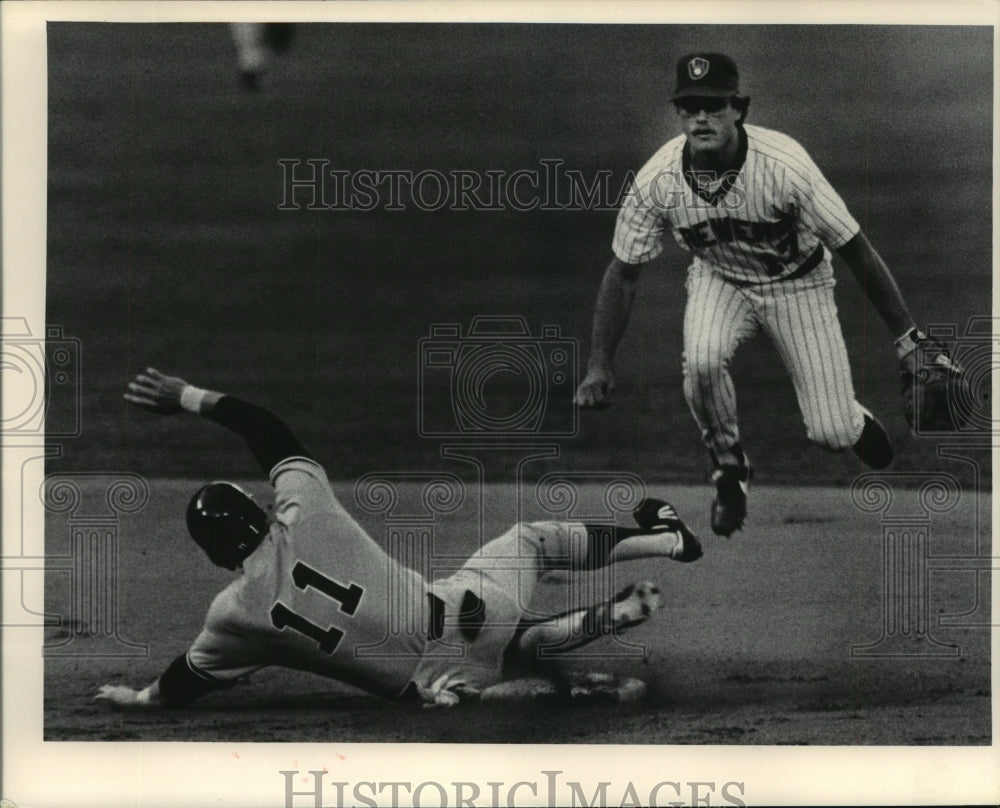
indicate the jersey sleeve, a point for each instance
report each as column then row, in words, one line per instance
column 642, row 221
column 820, row 206
column 269, row 438
column 221, row 657
column 223, row 652
column 183, row 682
column 301, row 487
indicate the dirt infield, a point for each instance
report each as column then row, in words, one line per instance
column 754, row 645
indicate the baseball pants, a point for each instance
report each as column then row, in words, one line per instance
column 503, row 575
column 800, row 317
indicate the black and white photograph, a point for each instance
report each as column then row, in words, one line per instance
column 498, row 405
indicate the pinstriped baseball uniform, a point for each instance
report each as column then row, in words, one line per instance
column 760, row 236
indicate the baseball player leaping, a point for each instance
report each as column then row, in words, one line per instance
column 318, row 594
column 760, row 219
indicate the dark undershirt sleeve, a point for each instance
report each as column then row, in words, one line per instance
column 180, row 683
column 270, row 439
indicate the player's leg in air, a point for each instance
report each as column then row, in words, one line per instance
column 532, row 657
column 487, row 604
column 719, row 317
column 803, row 324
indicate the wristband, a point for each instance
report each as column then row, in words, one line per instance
column 907, row 343
column 191, row 398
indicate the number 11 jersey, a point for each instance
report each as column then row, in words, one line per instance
column 317, row 595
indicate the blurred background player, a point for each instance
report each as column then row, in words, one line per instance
column 760, row 219
column 256, row 43
column 316, row 590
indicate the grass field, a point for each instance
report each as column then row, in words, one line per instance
column 167, row 247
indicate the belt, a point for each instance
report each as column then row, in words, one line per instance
column 803, row 269
column 471, row 616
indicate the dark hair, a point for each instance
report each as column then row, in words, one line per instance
column 742, row 103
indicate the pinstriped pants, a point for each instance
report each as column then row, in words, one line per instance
column 800, row 317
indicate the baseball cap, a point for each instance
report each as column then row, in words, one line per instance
column 702, row 75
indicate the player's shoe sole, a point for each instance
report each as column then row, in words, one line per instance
column 659, row 516
column 568, row 631
column 873, row 447
column 634, row 605
column 729, row 508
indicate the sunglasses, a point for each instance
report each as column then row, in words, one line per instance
column 692, row 106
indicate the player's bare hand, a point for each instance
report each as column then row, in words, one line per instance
column 596, row 390
column 120, row 695
column 156, row 392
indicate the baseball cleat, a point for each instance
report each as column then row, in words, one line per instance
column 873, row 447
column 635, row 604
column 571, row 630
column 658, row 516
column 729, row 508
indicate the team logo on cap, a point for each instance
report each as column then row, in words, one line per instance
column 698, row 68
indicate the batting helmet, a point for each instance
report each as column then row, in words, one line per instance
column 226, row 523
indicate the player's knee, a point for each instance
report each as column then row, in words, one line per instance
column 705, row 365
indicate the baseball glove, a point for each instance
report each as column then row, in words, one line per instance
column 933, row 388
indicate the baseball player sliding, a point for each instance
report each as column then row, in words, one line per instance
column 318, row 594
column 760, row 220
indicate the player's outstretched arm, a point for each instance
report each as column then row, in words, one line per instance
column 611, row 314
column 878, row 283
column 269, row 438
column 178, row 685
